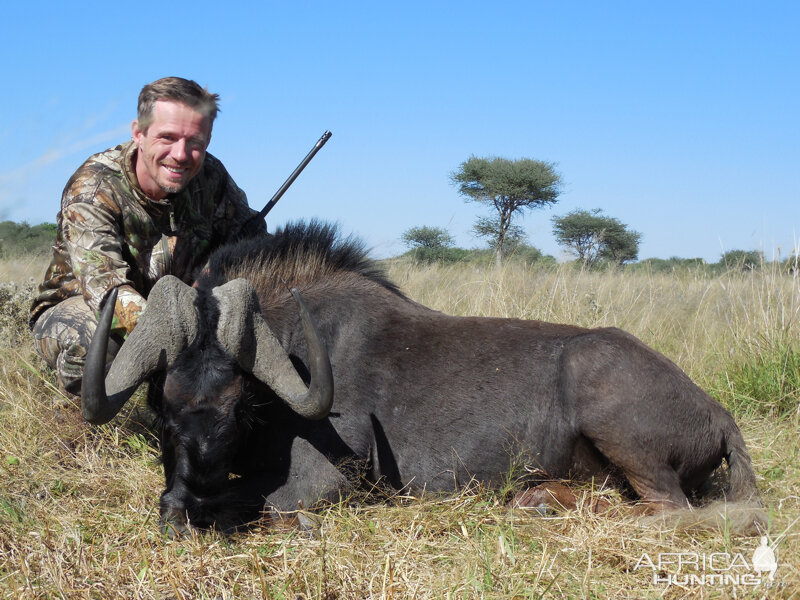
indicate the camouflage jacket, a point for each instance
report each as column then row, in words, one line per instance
column 110, row 234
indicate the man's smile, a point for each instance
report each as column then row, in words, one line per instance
column 174, row 169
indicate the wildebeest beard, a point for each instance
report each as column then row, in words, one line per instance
column 202, row 427
column 225, row 441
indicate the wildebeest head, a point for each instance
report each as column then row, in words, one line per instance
column 206, row 345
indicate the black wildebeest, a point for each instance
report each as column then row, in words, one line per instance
column 412, row 397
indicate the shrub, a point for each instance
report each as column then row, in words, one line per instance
column 20, row 239
column 423, row 254
column 743, row 260
column 766, row 383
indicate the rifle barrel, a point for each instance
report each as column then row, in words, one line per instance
column 290, row 180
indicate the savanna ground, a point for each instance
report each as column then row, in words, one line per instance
column 78, row 505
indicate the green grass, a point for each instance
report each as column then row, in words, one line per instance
column 765, row 383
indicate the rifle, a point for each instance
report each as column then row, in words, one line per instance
column 289, row 181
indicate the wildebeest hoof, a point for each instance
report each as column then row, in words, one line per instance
column 552, row 497
column 546, row 497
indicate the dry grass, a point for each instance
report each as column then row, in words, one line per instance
column 21, row 270
column 78, row 505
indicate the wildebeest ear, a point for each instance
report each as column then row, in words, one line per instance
column 243, row 332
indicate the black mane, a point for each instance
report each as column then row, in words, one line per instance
column 297, row 253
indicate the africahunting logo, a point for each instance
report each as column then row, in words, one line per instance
column 713, row 569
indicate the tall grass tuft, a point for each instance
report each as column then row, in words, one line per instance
column 766, row 383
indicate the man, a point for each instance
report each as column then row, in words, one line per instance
column 156, row 205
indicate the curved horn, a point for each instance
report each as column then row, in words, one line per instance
column 165, row 328
column 245, row 334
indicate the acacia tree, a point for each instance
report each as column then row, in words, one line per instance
column 621, row 245
column 593, row 237
column 427, row 237
column 430, row 244
column 509, row 187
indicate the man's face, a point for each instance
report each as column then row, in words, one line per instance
column 172, row 149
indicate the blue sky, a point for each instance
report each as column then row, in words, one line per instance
column 679, row 118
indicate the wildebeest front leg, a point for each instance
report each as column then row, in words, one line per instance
column 310, row 478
